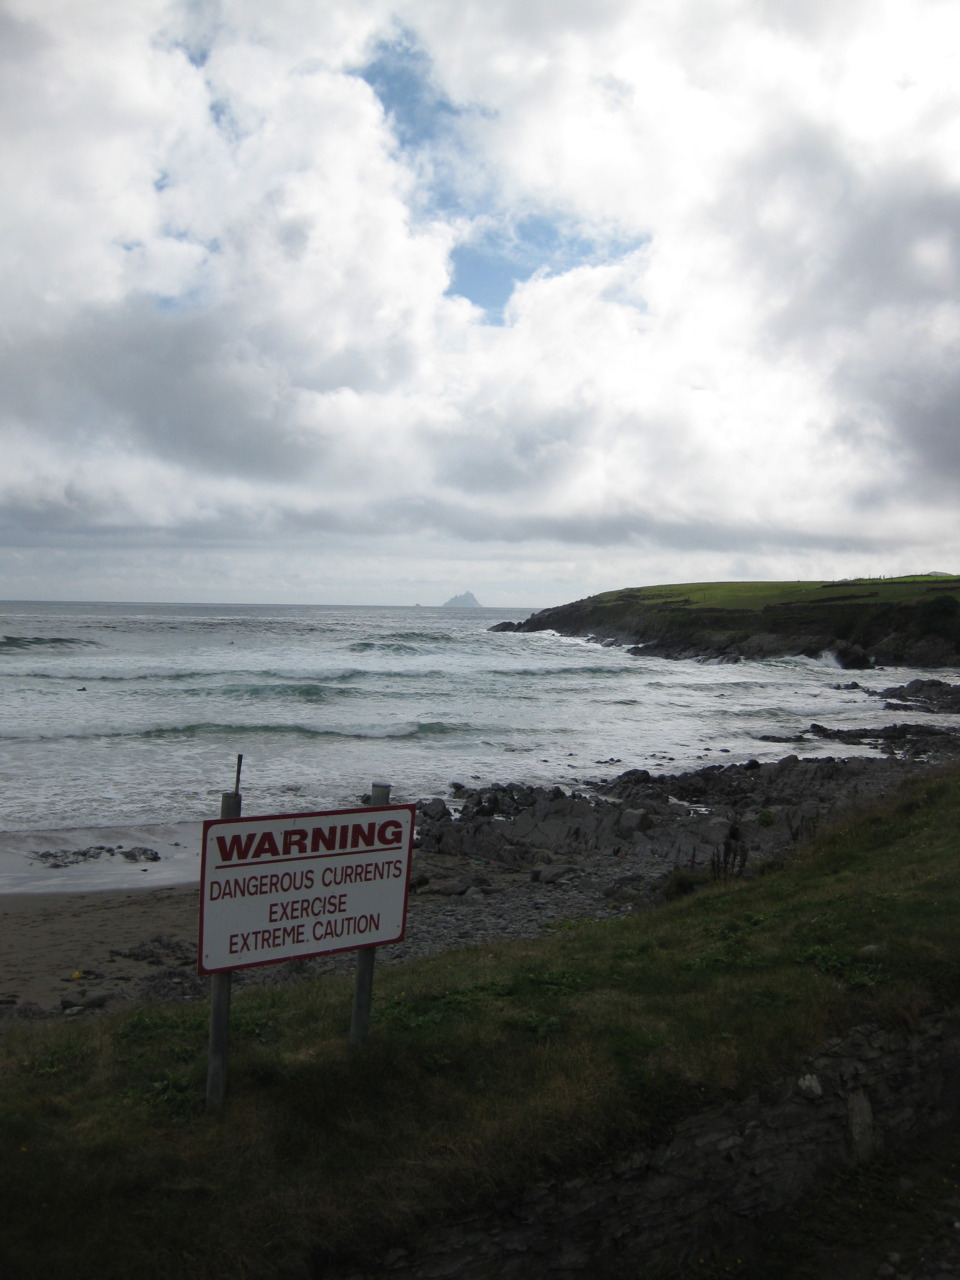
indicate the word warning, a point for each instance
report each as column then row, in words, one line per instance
column 305, row 884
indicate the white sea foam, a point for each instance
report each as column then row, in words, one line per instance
column 128, row 714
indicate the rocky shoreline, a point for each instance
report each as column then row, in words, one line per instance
column 515, row 861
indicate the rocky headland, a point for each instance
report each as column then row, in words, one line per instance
column 865, row 623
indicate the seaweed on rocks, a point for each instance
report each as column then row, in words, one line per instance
column 57, row 859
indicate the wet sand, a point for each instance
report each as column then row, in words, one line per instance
column 88, row 859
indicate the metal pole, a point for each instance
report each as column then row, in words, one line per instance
column 230, row 805
column 363, row 987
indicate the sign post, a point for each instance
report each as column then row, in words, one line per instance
column 363, row 988
column 230, row 805
column 293, row 886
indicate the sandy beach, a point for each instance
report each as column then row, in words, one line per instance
column 47, row 938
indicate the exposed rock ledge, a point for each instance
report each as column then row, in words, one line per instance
column 623, row 841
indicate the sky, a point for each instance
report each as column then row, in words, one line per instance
column 379, row 301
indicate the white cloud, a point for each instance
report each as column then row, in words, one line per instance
column 229, row 336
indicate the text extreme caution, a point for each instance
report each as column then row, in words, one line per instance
column 300, row 885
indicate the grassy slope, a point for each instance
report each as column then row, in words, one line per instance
column 808, row 616
column 486, row 1068
column 761, row 595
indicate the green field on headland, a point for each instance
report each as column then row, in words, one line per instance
column 912, row 620
column 486, row 1069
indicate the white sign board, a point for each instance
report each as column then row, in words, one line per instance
column 304, row 884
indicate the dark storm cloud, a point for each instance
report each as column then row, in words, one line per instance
column 919, row 400
column 860, row 267
column 173, row 383
column 617, row 530
column 856, row 240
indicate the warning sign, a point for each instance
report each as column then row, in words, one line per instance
column 285, row 888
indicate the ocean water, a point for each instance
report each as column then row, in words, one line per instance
column 113, row 714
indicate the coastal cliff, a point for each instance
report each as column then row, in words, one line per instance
column 864, row 622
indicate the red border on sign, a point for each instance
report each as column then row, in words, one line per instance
column 293, row 817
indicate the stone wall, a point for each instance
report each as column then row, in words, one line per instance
column 721, row 1171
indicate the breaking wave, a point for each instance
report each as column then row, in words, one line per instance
column 236, row 732
column 9, row 644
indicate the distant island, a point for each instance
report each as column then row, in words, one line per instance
column 908, row 621
column 467, row 601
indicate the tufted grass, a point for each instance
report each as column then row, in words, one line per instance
column 486, row 1069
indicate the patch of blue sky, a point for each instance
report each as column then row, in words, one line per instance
column 221, row 114
column 428, row 128
column 200, row 22
column 487, row 270
column 400, row 74
column 192, row 28
column 196, row 55
column 485, row 277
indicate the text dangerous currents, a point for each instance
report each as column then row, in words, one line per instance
column 293, row 887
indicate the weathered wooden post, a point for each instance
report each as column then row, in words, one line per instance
column 230, row 805
column 363, row 988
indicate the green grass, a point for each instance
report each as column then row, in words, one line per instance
column 910, row 589
column 486, row 1068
